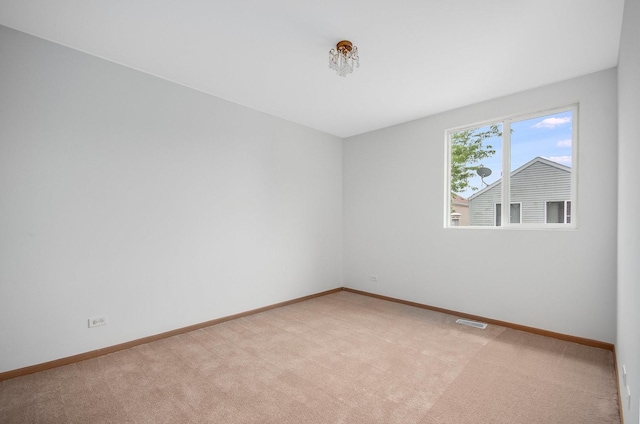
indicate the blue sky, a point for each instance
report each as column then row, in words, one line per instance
column 547, row 136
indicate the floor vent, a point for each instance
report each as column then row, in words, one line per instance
column 475, row 324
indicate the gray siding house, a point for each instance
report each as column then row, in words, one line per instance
column 540, row 193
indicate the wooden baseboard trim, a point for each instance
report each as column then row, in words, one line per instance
column 615, row 367
column 546, row 333
column 122, row 346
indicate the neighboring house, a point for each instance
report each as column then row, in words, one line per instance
column 459, row 211
column 540, row 193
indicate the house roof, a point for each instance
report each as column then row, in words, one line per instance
column 418, row 58
column 537, row 159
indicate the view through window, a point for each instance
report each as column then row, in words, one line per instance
column 526, row 162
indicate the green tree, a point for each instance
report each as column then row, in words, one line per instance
column 467, row 153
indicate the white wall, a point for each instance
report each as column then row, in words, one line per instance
column 628, row 337
column 563, row 281
column 128, row 196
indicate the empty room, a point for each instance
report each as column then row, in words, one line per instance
column 292, row 212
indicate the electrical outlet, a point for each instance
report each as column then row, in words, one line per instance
column 95, row 322
column 373, row 278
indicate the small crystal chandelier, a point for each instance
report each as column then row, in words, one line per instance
column 343, row 58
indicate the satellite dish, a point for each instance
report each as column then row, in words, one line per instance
column 483, row 172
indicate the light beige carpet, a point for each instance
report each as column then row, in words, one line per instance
column 340, row 358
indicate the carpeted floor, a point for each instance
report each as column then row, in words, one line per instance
column 340, row 358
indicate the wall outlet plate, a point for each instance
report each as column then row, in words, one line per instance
column 95, row 322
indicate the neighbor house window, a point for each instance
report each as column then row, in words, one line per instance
column 521, row 161
column 514, row 214
column 559, row 212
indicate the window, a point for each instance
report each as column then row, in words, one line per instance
column 527, row 162
column 559, row 212
column 514, row 214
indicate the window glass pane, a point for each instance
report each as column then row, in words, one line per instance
column 555, row 212
column 541, row 154
column 475, row 168
column 514, row 216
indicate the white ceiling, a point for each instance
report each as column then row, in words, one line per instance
column 418, row 57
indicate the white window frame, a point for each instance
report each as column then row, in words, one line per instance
column 506, row 176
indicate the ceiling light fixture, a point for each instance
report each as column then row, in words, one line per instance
column 343, row 58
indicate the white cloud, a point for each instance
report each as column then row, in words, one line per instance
column 552, row 122
column 564, row 143
column 563, row 160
